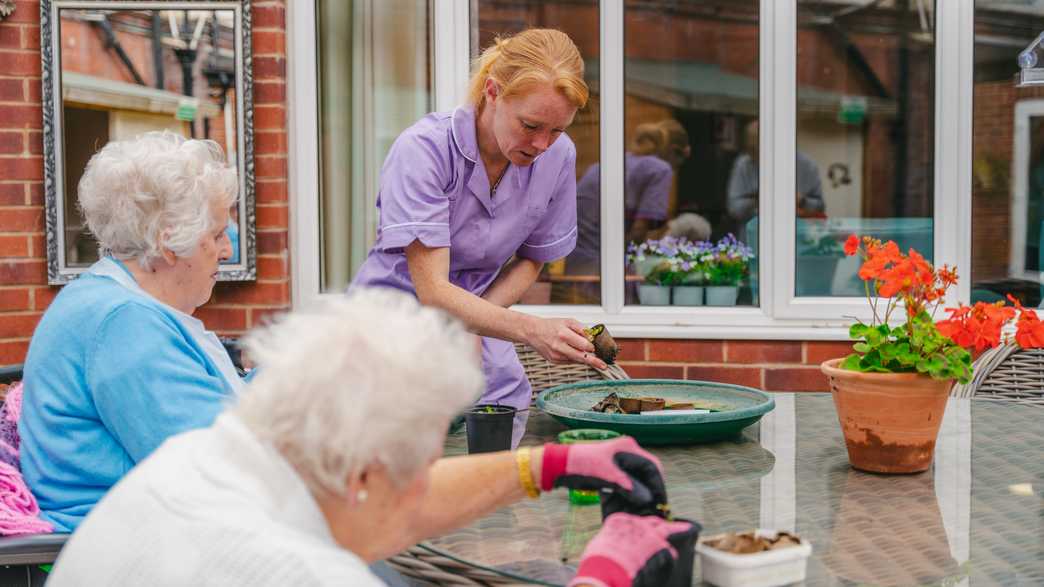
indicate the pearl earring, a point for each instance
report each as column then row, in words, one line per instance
column 361, row 495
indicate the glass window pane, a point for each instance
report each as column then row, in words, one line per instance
column 865, row 135
column 374, row 82
column 1007, row 154
column 691, row 91
column 576, row 279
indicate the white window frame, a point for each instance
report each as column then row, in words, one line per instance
column 782, row 315
column 302, row 94
column 1024, row 111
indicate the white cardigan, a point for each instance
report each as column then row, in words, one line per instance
column 209, row 507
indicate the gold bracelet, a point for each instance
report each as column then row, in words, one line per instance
column 525, row 475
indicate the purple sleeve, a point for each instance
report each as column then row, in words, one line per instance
column 555, row 235
column 655, row 198
column 412, row 199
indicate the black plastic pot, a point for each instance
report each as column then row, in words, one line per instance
column 685, row 544
column 489, row 428
column 613, row 502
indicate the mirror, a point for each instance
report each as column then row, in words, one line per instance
column 113, row 70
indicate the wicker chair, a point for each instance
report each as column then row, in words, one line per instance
column 1007, row 373
column 421, row 563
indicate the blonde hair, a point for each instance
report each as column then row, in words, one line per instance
column 529, row 58
column 666, row 139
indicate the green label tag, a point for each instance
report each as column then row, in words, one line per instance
column 187, row 108
column 853, row 110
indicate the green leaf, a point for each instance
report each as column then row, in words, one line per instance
column 872, row 359
column 858, row 330
column 851, row 363
column 931, row 365
column 887, row 352
column 873, row 337
column 908, row 358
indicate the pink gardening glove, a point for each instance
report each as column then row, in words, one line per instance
column 630, row 551
column 619, row 465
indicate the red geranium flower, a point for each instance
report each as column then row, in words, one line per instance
column 852, row 245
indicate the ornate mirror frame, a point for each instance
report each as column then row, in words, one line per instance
column 59, row 271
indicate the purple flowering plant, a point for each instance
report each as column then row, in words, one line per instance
column 668, row 261
column 726, row 262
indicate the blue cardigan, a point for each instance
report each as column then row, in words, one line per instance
column 109, row 376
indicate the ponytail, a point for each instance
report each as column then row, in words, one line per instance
column 534, row 56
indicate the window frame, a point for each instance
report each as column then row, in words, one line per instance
column 1025, row 110
column 781, row 315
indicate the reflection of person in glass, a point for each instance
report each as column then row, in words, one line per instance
column 656, row 152
column 473, row 203
column 743, row 184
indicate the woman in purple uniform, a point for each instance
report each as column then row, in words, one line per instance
column 473, row 202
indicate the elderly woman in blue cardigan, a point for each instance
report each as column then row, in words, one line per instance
column 118, row 363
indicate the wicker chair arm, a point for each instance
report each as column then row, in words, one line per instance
column 1007, row 373
column 544, row 374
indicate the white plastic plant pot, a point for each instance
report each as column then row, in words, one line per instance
column 688, row 295
column 722, row 295
column 654, row 295
column 646, row 265
column 761, row 569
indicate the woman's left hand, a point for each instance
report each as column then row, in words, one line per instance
column 620, row 465
column 631, row 551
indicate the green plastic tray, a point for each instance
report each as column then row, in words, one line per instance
column 737, row 407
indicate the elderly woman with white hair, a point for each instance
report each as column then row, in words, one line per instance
column 330, row 461
column 118, row 363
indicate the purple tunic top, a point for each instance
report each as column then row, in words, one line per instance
column 434, row 188
column 647, row 188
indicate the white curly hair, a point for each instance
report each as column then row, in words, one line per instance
column 368, row 378
column 152, row 192
column 689, row 225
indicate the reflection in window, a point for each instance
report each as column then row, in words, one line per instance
column 374, row 82
column 1007, row 157
column 560, row 282
column 128, row 72
column 691, row 103
column 865, row 132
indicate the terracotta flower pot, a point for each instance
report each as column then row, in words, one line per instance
column 890, row 420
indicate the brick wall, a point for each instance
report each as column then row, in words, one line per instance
column 237, row 307
column 24, row 293
column 763, row 364
column 23, row 273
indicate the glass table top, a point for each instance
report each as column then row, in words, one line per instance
column 975, row 518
